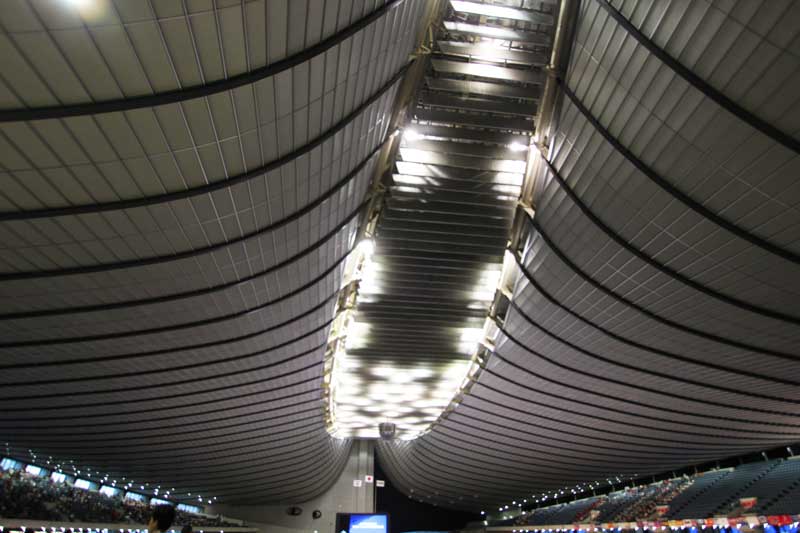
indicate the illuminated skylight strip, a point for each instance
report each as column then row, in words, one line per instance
column 494, row 11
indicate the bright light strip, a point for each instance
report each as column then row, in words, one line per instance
column 489, row 10
column 402, row 179
column 508, row 189
column 508, row 178
column 411, row 398
column 410, row 190
column 410, row 134
column 428, row 157
column 410, row 169
column 360, row 397
column 396, row 394
column 512, row 166
column 488, row 50
column 486, row 31
column 357, row 334
column 487, row 284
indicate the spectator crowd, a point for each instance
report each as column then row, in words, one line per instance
column 23, row 495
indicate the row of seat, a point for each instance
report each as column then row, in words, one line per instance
column 775, row 485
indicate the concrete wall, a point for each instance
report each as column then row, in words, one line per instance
column 342, row 497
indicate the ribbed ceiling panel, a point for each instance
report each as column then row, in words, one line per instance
column 60, row 54
column 180, row 184
column 655, row 322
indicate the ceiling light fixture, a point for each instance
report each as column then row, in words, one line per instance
column 411, row 135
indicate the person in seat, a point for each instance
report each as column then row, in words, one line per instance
column 161, row 519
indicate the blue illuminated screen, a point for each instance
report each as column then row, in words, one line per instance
column 368, row 523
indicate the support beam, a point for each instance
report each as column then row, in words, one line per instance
column 526, row 109
column 491, row 52
column 482, row 88
column 484, row 136
column 497, row 32
column 475, row 119
column 456, row 160
column 488, row 71
column 467, row 149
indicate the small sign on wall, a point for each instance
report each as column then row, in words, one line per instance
column 357, row 483
column 380, row 483
column 368, row 479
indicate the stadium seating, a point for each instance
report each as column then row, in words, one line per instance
column 24, row 495
column 725, row 490
column 775, row 484
column 785, row 503
column 568, row 513
column 544, row 515
column 647, row 498
column 779, row 491
column 614, row 504
column 701, row 484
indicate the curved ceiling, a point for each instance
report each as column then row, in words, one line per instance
column 180, row 185
column 655, row 321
